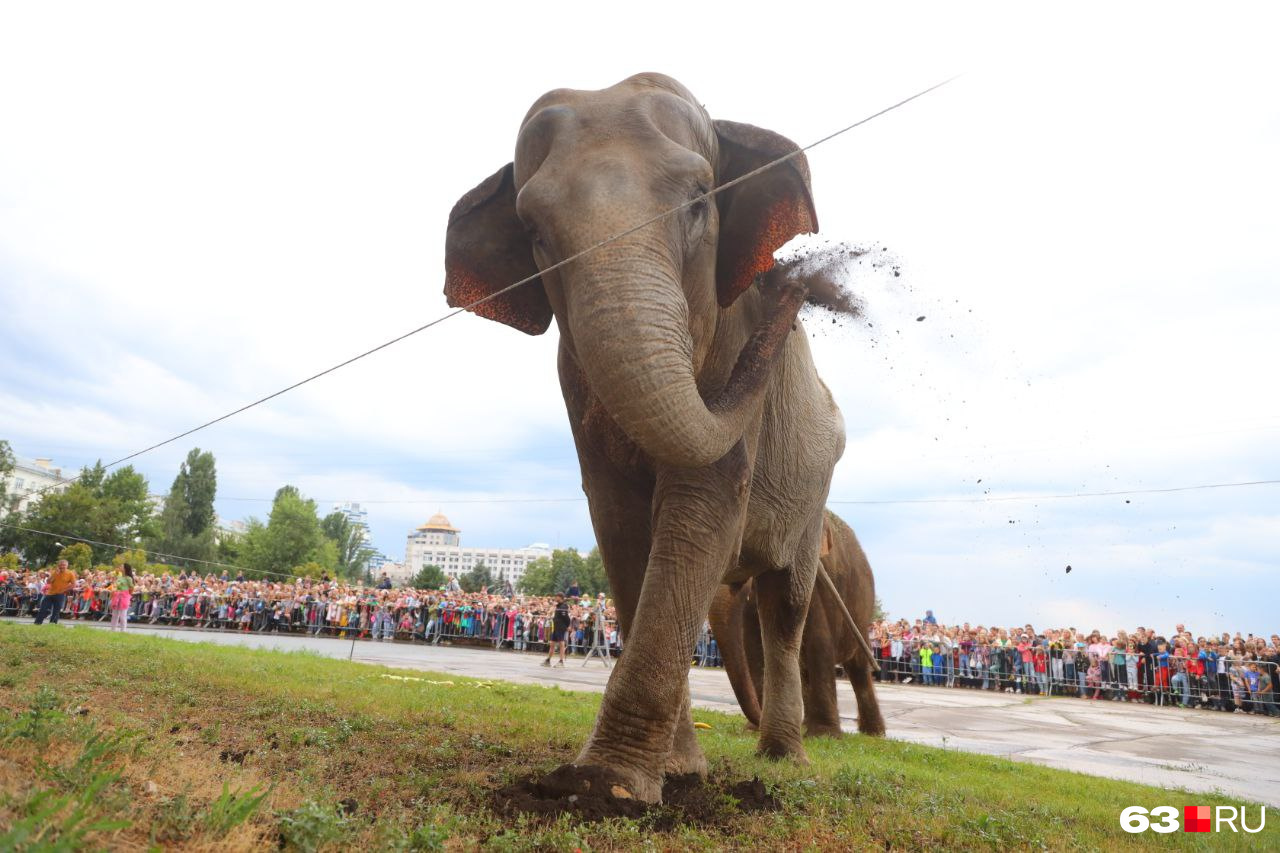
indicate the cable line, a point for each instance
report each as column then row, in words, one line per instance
column 627, row 232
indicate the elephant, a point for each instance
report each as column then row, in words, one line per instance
column 705, row 437
column 828, row 639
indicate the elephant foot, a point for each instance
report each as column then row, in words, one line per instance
column 599, row 782
column 823, row 730
column 778, row 747
column 686, row 756
column 872, row 728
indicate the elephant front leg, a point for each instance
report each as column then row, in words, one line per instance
column 643, row 729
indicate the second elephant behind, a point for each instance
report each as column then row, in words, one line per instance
column 827, row 640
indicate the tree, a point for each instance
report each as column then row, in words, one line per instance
column 878, row 613
column 353, row 552
column 428, row 577
column 478, row 578
column 309, row 570
column 113, row 509
column 568, row 566
column 593, row 578
column 291, row 537
column 539, row 578
column 79, row 556
column 187, row 526
column 6, row 468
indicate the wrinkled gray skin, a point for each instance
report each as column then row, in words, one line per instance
column 705, row 437
column 827, row 641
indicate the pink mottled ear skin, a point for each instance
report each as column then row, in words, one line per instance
column 763, row 213
column 486, row 250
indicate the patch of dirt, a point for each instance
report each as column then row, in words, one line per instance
column 686, row 801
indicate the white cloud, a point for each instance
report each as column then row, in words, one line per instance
column 198, row 208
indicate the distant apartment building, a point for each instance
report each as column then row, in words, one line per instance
column 439, row 543
column 28, row 481
column 359, row 518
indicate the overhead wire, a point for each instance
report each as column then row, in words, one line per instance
column 472, row 305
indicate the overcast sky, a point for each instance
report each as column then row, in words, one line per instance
column 198, row 207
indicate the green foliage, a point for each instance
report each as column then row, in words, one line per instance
column 546, row 576
column 291, row 537
column 187, row 524
column 539, row 578
column 593, row 578
column 99, row 506
column 98, row 749
column 78, row 555
column 37, row 722
column 478, row 578
column 352, row 553
column 50, row 823
column 136, row 558
column 233, row 808
column 428, row 577
column 9, row 562
column 309, row 570
column 7, row 461
column 878, row 613
column 311, row 826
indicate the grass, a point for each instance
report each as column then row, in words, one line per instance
column 126, row 742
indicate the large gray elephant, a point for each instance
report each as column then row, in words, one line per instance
column 705, row 437
column 828, row 638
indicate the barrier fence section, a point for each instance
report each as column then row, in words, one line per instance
column 1225, row 682
column 426, row 622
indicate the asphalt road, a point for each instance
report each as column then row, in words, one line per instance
column 1168, row 747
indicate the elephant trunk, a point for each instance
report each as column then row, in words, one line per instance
column 629, row 320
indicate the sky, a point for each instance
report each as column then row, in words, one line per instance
column 202, row 205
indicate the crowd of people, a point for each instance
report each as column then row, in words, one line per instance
column 1224, row 673
column 322, row 607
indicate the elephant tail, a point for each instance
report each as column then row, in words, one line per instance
column 726, row 617
column 863, row 645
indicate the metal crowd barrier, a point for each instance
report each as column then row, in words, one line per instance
column 1234, row 682
column 423, row 623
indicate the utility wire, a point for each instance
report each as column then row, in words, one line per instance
column 58, row 536
column 646, row 223
column 999, row 499
column 567, row 500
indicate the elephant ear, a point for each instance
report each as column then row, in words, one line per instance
column 486, row 249
column 763, row 212
column 827, row 541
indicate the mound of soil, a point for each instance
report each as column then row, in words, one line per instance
column 686, row 800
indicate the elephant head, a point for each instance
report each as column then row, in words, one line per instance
column 639, row 314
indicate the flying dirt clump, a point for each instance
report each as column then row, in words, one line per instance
column 826, row 271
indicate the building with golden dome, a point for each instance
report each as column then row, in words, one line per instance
column 437, row 542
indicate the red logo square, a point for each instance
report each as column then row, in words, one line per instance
column 1195, row 819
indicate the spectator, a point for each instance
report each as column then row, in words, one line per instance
column 120, row 598
column 55, row 593
column 560, row 627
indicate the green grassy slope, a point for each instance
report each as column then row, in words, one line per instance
column 125, row 742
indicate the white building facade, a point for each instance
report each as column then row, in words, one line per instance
column 439, row 543
column 28, row 476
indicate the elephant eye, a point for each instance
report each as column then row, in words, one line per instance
column 698, row 200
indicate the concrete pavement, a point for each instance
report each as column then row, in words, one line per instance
column 1237, row 754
